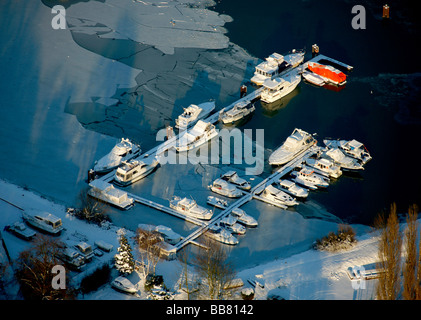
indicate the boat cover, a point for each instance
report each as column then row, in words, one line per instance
column 327, row 72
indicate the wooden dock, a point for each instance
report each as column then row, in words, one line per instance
column 321, row 57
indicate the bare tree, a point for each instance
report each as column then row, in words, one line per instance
column 149, row 249
column 91, row 208
column 411, row 271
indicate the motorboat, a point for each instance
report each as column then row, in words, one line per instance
column 298, row 141
column 313, row 78
column 217, row 202
column 123, row 284
column 106, row 192
column 43, row 220
column 196, row 136
column 85, row 250
column 292, row 189
column 278, row 196
column 308, row 178
column 220, row 234
column 243, row 217
column 239, row 111
column 134, row 170
column 193, row 113
column 230, row 223
column 72, row 258
column 346, row 163
column 168, row 234
column 122, row 151
column 232, row 177
column 352, row 148
column 20, row 230
column 324, row 167
column 226, row 189
column 275, row 89
column 328, row 73
column 276, row 65
column 189, row 207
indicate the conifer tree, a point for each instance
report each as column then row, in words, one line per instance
column 124, row 261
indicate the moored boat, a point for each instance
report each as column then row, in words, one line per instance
column 189, row 207
column 134, row 170
column 106, row 192
column 352, row 148
column 346, row 163
column 196, row 136
column 243, row 217
column 240, row 110
column 292, row 189
column 220, row 234
column 313, row 78
column 194, row 113
column 232, row 177
column 217, row 202
column 275, row 89
column 308, row 178
column 278, row 196
column 324, row 167
column 328, row 73
column 224, row 188
column 43, row 220
column 230, row 223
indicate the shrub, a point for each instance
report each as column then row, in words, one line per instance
column 96, row 279
column 343, row 239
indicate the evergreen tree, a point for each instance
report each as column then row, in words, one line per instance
column 124, row 261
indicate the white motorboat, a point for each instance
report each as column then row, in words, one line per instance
column 43, row 220
column 278, row 196
column 106, row 192
column 275, row 89
column 193, row 113
column 243, row 217
column 276, row 65
column 308, row 178
column 292, row 189
column 221, row 234
column 21, row 231
column 298, row 141
column 313, row 78
column 230, row 223
column 196, row 136
column 189, row 207
column 238, row 112
column 134, row 170
column 352, row 148
column 122, row 151
column 226, row 189
column 345, row 162
column 123, row 284
column 232, row 177
column 324, row 167
column 217, row 202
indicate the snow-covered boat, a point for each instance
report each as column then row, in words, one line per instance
column 123, row 284
column 345, row 162
column 217, row 202
column 189, row 207
column 324, row 167
column 243, row 217
column 298, row 141
column 230, row 223
column 220, row 234
column 196, row 136
column 85, row 250
column 352, row 148
column 308, row 178
column 275, row 89
column 238, row 112
column 21, row 231
column 292, row 189
column 124, row 150
column 106, row 192
column 43, row 220
column 165, row 232
column 328, row 73
column 278, row 196
column 313, row 78
column 134, row 170
column 193, row 113
column 232, row 177
column 276, row 65
column 226, row 189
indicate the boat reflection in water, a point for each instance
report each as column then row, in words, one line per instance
column 271, row 109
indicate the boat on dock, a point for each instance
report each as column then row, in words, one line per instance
column 194, row 113
column 106, row 192
column 196, row 136
column 352, row 148
column 134, row 170
column 294, row 144
column 189, row 207
column 292, row 189
column 20, row 230
column 122, row 151
column 328, row 73
column 230, row 223
column 324, row 167
column 220, row 234
column 244, row 218
column 275, row 89
column 346, row 163
column 240, row 110
column 313, row 78
column 165, row 232
column 278, row 196
column 217, row 202
column 43, row 220
column 308, row 178
column 232, row 177
column 224, row 188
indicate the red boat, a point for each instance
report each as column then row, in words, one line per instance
column 329, row 73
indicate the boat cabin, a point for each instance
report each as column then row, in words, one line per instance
column 129, row 169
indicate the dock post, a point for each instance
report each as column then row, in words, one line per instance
column 386, row 9
column 314, row 50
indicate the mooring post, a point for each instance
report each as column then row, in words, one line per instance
column 386, row 10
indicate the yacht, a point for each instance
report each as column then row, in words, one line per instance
column 313, row 78
column 193, row 113
column 189, row 207
column 352, row 148
column 240, row 110
column 324, row 167
column 196, row 136
column 134, row 170
column 275, row 89
column 124, row 150
column 308, row 178
column 292, row 189
column 217, row 202
column 278, row 196
column 226, row 189
column 328, row 73
column 43, row 220
column 232, row 177
column 298, row 141
column 230, row 223
column 106, row 192
column 243, row 217
column 220, row 234
column 345, row 162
